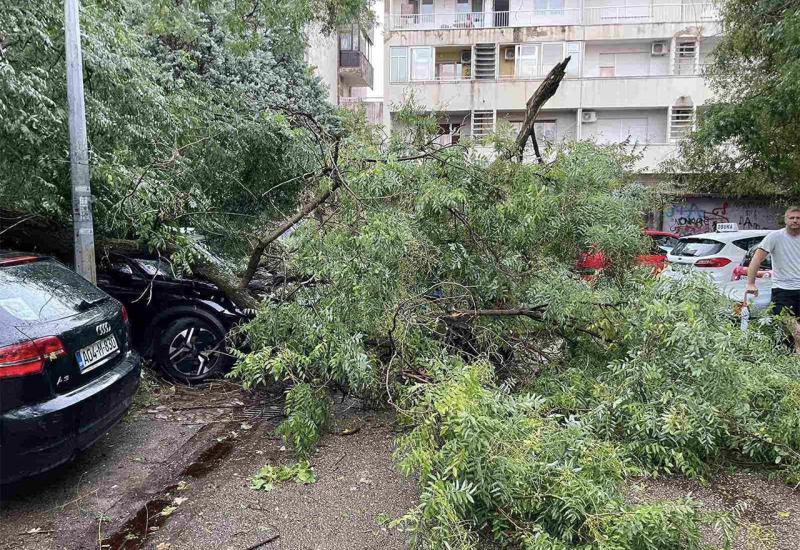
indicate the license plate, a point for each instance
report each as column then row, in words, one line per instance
column 91, row 356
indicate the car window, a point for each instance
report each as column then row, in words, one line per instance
column 693, row 246
column 665, row 241
column 745, row 244
column 42, row 291
column 765, row 265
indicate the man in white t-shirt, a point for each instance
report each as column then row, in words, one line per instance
column 784, row 246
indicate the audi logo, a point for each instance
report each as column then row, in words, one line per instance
column 103, row 329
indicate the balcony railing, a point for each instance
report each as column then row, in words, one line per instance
column 645, row 13
column 650, row 13
column 539, row 74
column 357, row 66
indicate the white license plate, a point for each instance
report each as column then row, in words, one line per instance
column 90, row 356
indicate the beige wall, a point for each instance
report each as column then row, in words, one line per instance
column 323, row 54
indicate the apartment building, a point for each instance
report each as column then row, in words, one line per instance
column 635, row 71
column 344, row 63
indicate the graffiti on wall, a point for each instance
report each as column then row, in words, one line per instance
column 702, row 216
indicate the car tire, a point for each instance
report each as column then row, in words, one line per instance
column 191, row 349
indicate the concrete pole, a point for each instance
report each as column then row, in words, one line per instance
column 83, row 229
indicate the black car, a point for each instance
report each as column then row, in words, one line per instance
column 67, row 373
column 181, row 323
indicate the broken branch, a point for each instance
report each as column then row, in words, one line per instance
column 544, row 92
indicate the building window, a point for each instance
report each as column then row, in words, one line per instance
column 545, row 131
column 399, row 64
column 535, row 60
column 527, row 64
column 685, row 57
column 422, row 63
column 549, row 7
column 574, row 52
column 483, row 123
column 624, row 64
column 552, row 53
column 607, row 64
column 617, row 130
column 681, row 122
column 449, row 133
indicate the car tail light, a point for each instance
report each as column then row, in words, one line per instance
column 124, row 315
column 17, row 260
column 713, row 262
column 29, row 357
column 738, row 272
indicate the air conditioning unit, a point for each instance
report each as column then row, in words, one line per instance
column 589, row 116
column 466, row 56
column 659, row 48
column 509, row 54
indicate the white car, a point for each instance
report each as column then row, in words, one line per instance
column 714, row 254
column 736, row 286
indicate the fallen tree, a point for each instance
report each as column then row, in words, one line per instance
column 528, row 394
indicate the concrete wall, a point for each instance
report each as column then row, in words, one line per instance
column 691, row 216
column 323, row 54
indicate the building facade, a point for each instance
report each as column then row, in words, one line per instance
column 344, row 63
column 635, row 72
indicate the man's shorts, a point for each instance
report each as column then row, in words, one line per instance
column 786, row 299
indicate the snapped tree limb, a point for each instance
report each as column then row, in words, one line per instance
column 543, row 93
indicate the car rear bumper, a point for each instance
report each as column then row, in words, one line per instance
column 36, row 438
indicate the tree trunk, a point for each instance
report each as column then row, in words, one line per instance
column 544, row 92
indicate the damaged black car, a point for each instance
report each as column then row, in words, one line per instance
column 181, row 323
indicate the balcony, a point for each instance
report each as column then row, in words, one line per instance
column 650, row 13
column 600, row 15
column 355, row 69
column 642, row 92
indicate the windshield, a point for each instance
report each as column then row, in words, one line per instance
column 692, row 246
column 42, row 291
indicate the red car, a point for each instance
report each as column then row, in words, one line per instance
column 662, row 241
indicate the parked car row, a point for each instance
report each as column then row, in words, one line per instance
column 68, row 361
column 723, row 255
column 661, row 242
column 68, row 365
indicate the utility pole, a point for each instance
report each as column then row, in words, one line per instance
column 83, row 227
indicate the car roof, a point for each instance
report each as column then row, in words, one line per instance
column 728, row 236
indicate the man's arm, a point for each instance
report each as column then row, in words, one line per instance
column 752, row 270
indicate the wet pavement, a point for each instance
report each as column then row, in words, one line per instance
column 81, row 503
column 175, row 474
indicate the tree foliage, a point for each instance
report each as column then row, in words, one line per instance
column 195, row 112
column 747, row 140
column 445, row 286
